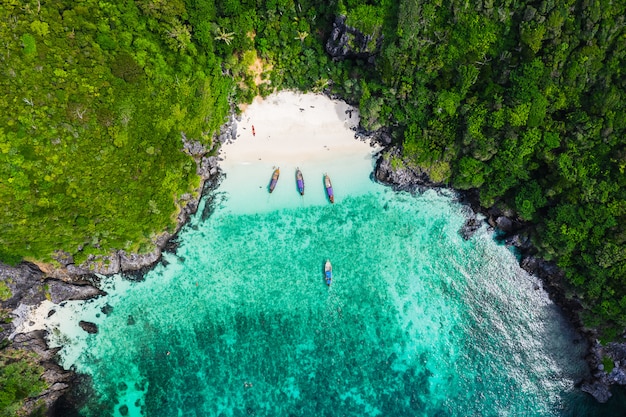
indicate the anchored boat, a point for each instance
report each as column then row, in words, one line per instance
column 329, row 188
column 274, row 179
column 300, row 181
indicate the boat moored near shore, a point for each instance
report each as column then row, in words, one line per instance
column 274, row 179
column 329, row 188
column 300, row 181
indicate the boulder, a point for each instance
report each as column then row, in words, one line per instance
column 470, row 227
column 88, row 326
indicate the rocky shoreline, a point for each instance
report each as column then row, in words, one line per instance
column 514, row 232
column 29, row 287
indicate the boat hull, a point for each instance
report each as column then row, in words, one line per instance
column 274, row 180
column 300, row 182
column 328, row 273
column 329, row 189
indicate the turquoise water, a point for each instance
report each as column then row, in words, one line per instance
column 418, row 322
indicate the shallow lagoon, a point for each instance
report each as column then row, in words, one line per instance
column 417, row 321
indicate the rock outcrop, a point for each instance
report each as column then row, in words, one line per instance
column 391, row 169
column 59, row 291
column 348, row 42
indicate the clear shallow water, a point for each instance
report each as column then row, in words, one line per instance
column 418, row 322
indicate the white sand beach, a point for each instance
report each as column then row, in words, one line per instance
column 30, row 318
column 292, row 130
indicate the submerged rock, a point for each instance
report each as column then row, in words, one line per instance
column 88, row 326
column 107, row 309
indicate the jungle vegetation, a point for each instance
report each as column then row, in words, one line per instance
column 20, row 378
column 520, row 100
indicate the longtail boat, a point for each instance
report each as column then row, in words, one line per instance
column 300, row 181
column 274, row 180
column 328, row 272
column 329, row 188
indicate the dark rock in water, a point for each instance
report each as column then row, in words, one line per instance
column 130, row 321
column 107, row 309
column 124, row 410
column 171, row 246
column 597, row 390
column 88, row 326
column 348, row 42
column 470, row 227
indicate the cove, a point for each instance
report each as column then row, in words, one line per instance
column 238, row 321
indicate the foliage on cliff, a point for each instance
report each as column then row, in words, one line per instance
column 20, row 378
column 95, row 97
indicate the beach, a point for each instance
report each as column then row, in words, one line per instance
column 293, row 130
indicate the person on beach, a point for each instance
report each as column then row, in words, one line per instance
column 253, row 132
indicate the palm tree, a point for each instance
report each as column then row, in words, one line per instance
column 222, row 35
column 302, row 36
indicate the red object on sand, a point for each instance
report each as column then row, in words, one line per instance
column 253, row 132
